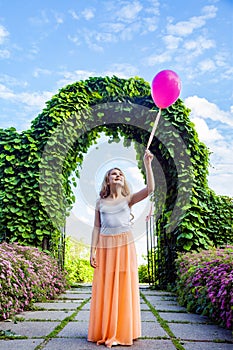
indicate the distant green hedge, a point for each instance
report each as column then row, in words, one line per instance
column 77, row 262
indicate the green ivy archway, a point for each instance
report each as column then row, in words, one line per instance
column 36, row 166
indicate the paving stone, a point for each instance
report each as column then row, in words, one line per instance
column 83, row 315
column 196, row 335
column 144, row 306
column 30, row 329
column 45, row 315
column 151, row 344
column 206, row 346
column 22, row 344
column 59, row 305
column 153, row 330
column 83, row 344
column 147, row 316
column 86, row 307
column 183, row 317
column 169, row 307
column 74, row 329
column 163, row 305
column 71, row 296
column 78, row 290
column 69, row 344
column 158, row 298
column 200, row 332
column 157, row 293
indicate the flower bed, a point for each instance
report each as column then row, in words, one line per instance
column 205, row 284
column 27, row 275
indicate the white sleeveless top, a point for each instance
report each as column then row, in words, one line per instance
column 114, row 217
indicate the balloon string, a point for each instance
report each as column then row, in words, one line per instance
column 154, row 128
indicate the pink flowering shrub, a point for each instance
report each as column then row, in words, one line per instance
column 205, row 283
column 27, row 275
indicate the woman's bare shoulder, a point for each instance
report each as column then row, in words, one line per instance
column 97, row 203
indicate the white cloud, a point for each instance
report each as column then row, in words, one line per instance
column 29, row 99
column 34, row 99
column 40, row 20
column 105, row 37
column 58, row 18
column 150, row 25
column 199, row 45
column 4, row 54
column 221, row 165
column 171, row 41
column 158, row 59
column 221, row 59
column 5, row 93
column 3, row 34
column 209, row 11
column 41, row 71
column 129, row 12
column 122, row 70
column 74, row 15
column 90, row 39
column 153, row 8
column 227, row 74
column 129, row 32
column 122, row 20
column 184, row 28
column 201, row 107
column 206, row 65
column 115, row 27
column 74, row 39
column 71, row 77
column 88, row 13
column 204, row 132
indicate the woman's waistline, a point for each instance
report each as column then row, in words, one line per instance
column 109, row 234
column 114, row 240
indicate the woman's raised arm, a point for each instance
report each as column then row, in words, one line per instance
column 150, row 184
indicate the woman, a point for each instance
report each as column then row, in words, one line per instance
column 115, row 303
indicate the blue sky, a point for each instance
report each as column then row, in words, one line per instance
column 47, row 44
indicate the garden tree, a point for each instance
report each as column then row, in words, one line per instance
column 36, row 167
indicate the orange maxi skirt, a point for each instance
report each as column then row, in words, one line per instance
column 115, row 303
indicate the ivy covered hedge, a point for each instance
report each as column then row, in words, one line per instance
column 36, row 167
column 27, row 275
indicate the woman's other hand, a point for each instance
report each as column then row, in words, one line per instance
column 93, row 260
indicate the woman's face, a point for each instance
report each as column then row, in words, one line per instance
column 116, row 177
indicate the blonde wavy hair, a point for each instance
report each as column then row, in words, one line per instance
column 105, row 188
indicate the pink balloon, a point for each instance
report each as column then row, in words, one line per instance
column 165, row 88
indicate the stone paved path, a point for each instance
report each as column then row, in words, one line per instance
column 62, row 325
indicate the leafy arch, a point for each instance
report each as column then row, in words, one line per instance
column 188, row 216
